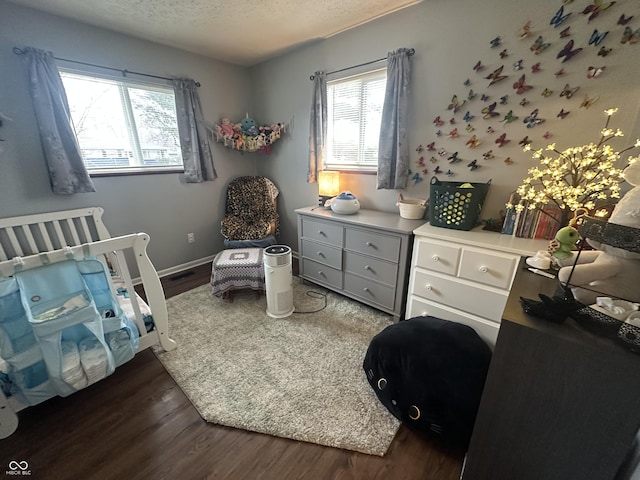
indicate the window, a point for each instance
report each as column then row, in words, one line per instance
column 123, row 126
column 354, row 108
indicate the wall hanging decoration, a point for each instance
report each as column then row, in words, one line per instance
column 247, row 135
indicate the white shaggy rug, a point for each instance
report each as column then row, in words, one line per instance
column 299, row 377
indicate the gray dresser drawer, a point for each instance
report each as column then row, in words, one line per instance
column 369, row 291
column 321, row 273
column 371, row 243
column 322, row 232
column 322, row 253
column 371, row 268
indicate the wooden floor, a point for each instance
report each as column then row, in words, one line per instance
column 137, row 424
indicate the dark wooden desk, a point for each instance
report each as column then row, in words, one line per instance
column 559, row 402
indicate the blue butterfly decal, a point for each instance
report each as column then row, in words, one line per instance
column 559, row 18
column 468, row 117
column 597, row 38
column 567, row 52
column 504, row 99
column 532, row 119
column 416, row 177
column 495, row 42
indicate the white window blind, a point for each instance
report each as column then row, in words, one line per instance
column 354, row 112
column 123, row 126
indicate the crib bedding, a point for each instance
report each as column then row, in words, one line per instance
column 58, row 345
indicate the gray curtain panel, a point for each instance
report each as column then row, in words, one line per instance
column 317, row 126
column 393, row 150
column 67, row 172
column 194, row 138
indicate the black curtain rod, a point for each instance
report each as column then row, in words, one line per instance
column 411, row 52
column 19, row 51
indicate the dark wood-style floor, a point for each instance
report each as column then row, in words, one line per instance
column 137, row 424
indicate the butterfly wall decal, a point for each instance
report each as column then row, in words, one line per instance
column 532, row 119
column 587, row 102
column 437, row 170
column 624, row 20
column 524, row 102
column 438, row 122
column 453, row 158
column 525, row 141
column 630, row 36
column 502, row 140
column 525, row 30
column 559, row 18
column 520, row 87
column 603, row 52
column 559, row 73
column 473, row 165
column 568, row 92
column 471, row 95
column 509, row 117
column 597, row 38
column 547, row 135
column 539, row 45
column 504, row 99
column 438, row 133
column 596, row 8
column 496, row 76
column 535, row 68
column 508, row 161
column 453, row 133
column 467, row 82
column 442, row 152
column 490, row 130
column 504, row 53
column 473, row 142
column 433, row 159
column 484, row 97
column 469, row 128
column 452, row 121
column 495, row 42
column 518, row 65
column 565, row 33
column 488, row 155
column 431, row 147
column 478, row 66
column 546, row 93
column 489, row 112
column 562, row 114
column 595, row 72
column 568, row 52
column 420, row 148
column 468, row 117
column 455, row 104
column 421, row 162
column 449, row 173
column 416, row 178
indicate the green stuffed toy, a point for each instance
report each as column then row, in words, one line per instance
column 564, row 243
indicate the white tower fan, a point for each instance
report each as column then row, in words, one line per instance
column 278, row 281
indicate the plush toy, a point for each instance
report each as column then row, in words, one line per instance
column 565, row 241
column 226, row 128
column 610, row 271
column 249, row 126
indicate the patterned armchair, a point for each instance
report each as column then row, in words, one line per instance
column 251, row 218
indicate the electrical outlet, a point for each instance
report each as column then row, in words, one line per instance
column 191, row 237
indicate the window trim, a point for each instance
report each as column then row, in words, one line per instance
column 134, row 80
column 354, row 168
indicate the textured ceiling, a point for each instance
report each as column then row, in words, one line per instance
column 244, row 32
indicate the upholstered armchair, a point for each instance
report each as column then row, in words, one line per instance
column 251, row 218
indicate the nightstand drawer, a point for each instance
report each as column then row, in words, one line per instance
column 322, row 232
column 322, row 253
column 374, row 244
column 495, row 268
column 371, row 268
column 487, row 329
column 485, row 302
column 321, row 273
column 370, row 291
column 437, row 256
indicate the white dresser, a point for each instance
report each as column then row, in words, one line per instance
column 465, row 276
column 364, row 256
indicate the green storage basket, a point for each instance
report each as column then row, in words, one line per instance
column 455, row 206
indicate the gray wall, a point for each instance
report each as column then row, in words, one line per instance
column 161, row 205
column 449, row 38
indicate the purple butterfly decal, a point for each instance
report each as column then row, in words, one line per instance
column 624, row 20
column 567, row 52
column 565, row 33
column 502, row 140
column 562, row 114
column 478, row 66
column 488, row 112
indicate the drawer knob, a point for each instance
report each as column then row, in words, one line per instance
column 320, row 232
column 320, row 254
column 483, row 269
column 366, row 289
column 367, row 267
column 368, row 244
column 435, row 258
column 428, row 287
column 321, row 273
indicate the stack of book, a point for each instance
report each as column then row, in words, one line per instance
column 539, row 223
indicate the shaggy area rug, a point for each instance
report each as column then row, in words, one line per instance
column 298, row 377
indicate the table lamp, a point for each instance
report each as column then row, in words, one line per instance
column 328, row 185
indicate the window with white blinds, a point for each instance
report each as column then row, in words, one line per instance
column 354, row 108
column 123, row 126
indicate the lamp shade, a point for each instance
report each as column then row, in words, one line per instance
column 328, row 183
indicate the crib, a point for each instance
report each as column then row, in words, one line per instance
column 66, row 240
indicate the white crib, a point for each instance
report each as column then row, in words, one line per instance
column 28, row 240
